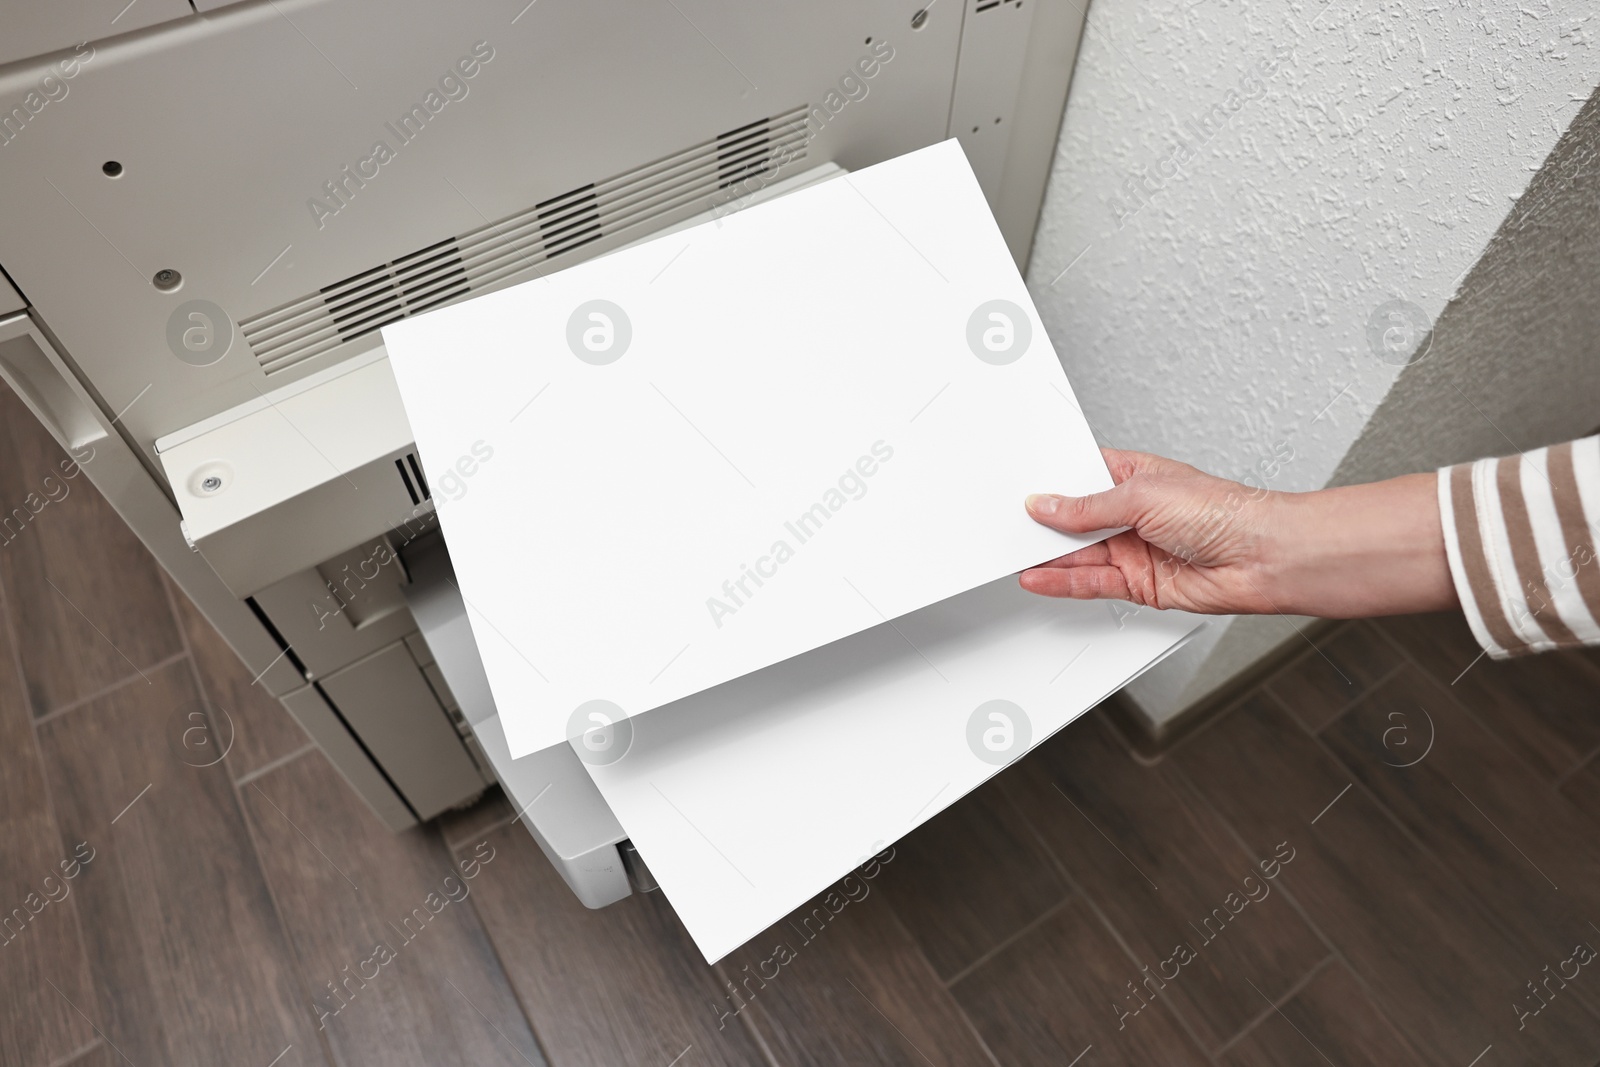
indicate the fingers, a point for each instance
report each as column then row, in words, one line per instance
column 1096, row 555
column 1076, row 583
column 1117, row 506
column 1124, row 463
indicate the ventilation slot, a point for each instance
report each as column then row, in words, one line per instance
column 411, row 474
column 518, row 247
column 386, row 294
column 569, row 221
column 744, row 153
column 429, row 278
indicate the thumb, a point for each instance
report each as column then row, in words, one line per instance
column 1082, row 514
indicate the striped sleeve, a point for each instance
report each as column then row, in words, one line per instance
column 1520, row 533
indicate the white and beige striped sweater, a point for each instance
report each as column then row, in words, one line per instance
column 1520, row 532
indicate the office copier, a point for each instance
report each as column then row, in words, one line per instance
column 211, row 208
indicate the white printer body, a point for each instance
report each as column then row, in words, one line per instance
column 210, row 209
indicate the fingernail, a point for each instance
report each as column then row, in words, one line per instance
column 1043, row 503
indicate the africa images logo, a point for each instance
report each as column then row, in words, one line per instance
column 452, row 86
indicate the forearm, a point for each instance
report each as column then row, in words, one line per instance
column 1360, row 550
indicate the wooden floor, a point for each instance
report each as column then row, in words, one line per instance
column 1387, row 854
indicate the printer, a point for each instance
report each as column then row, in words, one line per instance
column 212, row 208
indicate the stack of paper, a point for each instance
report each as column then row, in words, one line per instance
column 762, row 479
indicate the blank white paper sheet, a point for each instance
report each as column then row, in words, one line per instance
column 749, row 799
column 669, row 467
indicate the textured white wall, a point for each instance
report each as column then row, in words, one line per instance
column 1217, row 234
column 1514, row 361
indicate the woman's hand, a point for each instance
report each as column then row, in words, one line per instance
column 1208, row 545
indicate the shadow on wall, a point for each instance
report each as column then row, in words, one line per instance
column 1513, row 362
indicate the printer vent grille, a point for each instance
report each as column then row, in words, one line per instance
column 527, row 244
column 411, row 284
column 744, row 152
column 569, row 221
column 416, row 485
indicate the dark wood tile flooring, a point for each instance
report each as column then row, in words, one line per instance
column 1386, row 853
